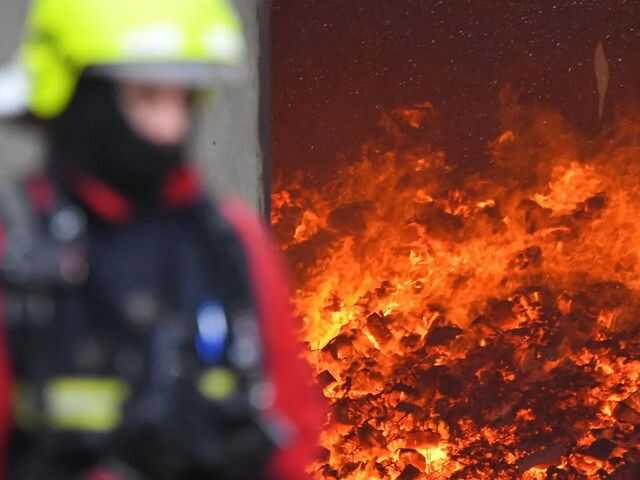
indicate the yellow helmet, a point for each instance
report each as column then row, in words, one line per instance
column 197, row 42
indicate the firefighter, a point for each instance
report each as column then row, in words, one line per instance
column 146, row 331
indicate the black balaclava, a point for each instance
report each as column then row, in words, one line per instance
column 92, row 137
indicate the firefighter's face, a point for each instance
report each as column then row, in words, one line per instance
column 160, row 114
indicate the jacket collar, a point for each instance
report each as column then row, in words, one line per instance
column 181, row 189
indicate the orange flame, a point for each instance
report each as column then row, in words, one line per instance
column 479, row 326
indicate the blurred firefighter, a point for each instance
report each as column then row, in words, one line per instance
column 146, row 331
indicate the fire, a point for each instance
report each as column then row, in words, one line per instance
column 473, row 326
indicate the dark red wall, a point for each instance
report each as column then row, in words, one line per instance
column 338, row 63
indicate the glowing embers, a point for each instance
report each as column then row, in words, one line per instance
column 477, row 326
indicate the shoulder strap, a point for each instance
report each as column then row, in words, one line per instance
column 37, row 258
column 226, row 249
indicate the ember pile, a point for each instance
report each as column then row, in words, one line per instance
column 474, row 325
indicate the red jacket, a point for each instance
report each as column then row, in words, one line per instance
column 295, row 396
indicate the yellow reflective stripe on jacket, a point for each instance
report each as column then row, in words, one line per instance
column 217, row 383
column 75, row 403
column 26, row 413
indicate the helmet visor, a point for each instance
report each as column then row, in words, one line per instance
column 190, row 74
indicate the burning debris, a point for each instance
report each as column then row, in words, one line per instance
column 474, row 327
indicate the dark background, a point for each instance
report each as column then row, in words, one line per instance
column 338, row 63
